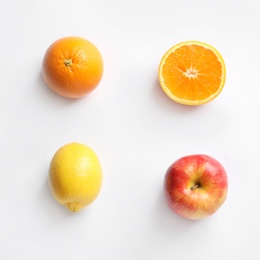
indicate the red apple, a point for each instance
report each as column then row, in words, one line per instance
column 195, row 186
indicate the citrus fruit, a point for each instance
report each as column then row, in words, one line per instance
column 192, row 73
column 72, row 67
column 75, row 176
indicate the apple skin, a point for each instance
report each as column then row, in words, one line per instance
column 195, row 186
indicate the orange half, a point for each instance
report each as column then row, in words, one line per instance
column 192, row 73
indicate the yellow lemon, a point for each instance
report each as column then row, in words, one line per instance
column 75, row 176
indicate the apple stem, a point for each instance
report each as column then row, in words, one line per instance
column 194, row 187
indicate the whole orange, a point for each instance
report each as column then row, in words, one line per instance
column 72, row 67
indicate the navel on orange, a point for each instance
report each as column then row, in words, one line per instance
column 192, row 73
column 72, row 67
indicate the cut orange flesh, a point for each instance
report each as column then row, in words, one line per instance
column 192, row 73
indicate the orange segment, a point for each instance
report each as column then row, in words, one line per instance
column 192, row 73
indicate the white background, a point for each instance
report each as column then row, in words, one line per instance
column 135, row 129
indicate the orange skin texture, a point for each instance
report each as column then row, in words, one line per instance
column 72, row 67
column 195, row 186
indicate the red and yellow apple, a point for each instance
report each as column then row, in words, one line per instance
column 195, row 186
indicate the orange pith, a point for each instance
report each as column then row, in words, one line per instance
column 72, row 67
column 192, row 73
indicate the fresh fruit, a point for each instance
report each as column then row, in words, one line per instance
column 192, row 73
column 72, row 67
column 195, row 186
column 75, row 176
